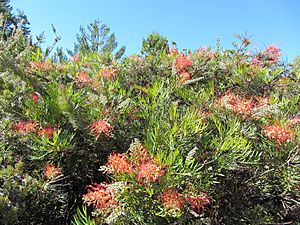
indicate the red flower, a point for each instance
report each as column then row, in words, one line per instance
column 101, row 126
column 47, row 131
column 173, row 51
column 171, row 199
column 197, row 202
column 101, row 196
column 183, row 77
column 35, row 97
column 182, row 63
column 25, row 127
column 119, row 163
column 150, row 172
column 278, row 133
column 83, row 78
column 51, row 171
column 293, row 122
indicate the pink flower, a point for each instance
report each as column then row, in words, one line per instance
column 101, row 126
column 101, row 196
column 273, row 53
column 108, row 73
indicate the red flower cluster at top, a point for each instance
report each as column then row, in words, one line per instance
column 25, row 127
column 41, row 66
column 182, row 63
column 83, row 78
column 119, row 163
column 51, row 171
column 101, row 196
column 197, row 202
column 173, row 50
column 171, row 199
column 278, row 133
column 108, row 73
column 101, row 126
column 241, row 105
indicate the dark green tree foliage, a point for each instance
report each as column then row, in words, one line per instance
column 12, row 21
column 97, row 39
column 155, row 44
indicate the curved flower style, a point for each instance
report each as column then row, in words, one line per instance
column 119, row 163
column 25, row 127
column 83, row 78
column 101, row 126
column 150, row 172
column 278, row 133
column 171, row 199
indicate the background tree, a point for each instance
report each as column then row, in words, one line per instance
column 97, row 39
column 154, row 44
column 12, row 21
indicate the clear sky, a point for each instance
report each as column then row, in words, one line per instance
column 191, row 23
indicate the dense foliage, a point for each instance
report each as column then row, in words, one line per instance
column 161, row 137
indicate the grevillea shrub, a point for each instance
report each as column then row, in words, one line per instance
column 161, row 137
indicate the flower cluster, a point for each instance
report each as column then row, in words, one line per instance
column 293, row 122
column 51, row 171
column 108, row 73
column 171, row 199
column 197, row 202
column 240, row 105
column 101, row 126
column 278, row 133
column 270, row 55
column 25, row 127
column 182, row 63
column 119, row 163
column 100, row 196
column 83, row 78
column 149, row 172
column 41, row 66
column 173, row 50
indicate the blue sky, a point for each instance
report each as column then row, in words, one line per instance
column 191, row 23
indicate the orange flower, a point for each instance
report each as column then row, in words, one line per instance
column 51, row 171
column 83, row 78
column 101, row 196
column 150, row 172
column 25, row 127
column 139, row 154
column 171, row 199
column 197, row 202
column 47, row 132
column 119, row 163
column 278, row 133
column 101, row 126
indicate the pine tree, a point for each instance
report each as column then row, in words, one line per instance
column 97, row 39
